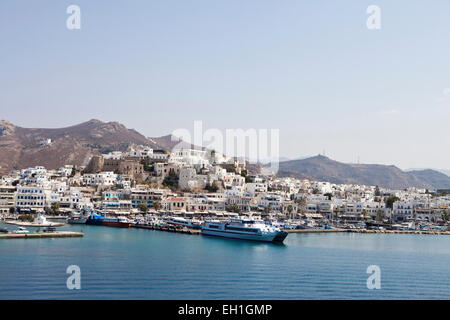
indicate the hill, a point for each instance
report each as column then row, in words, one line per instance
column 25, row 147
column 325, row 169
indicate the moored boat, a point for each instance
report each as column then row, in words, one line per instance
column 178, row 221
column 116, row 222
column 243, row 229
column 21, row 230
column 76, row 220
column 95, row 219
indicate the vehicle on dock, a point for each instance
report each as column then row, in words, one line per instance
column 4, row 230
column 244, row 229
column 21, row 230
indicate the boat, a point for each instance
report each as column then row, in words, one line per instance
column 116, row 222
column 178, row 221
column 75, row 220
column 95, row 219
column 21, row 230
column 79, row 217
column 244, row 229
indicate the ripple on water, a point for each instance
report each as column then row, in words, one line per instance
column 143, row 264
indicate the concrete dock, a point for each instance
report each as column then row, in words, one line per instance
column 177, row 230
column 368, row 231
column 33, row 235
column 34, row 225
column 314, row 230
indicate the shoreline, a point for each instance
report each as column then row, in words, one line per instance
column 444, row 233
column 36, row 235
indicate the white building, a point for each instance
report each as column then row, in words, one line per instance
column 30, row 197
column 106, row 178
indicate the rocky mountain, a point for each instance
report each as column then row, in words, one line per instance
column 433, row 177
column 169, row 142
column 325, row 169
column 26, row 147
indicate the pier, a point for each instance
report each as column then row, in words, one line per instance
column 34, row 235
column 429, row 232
column 315, row 230
column 34, row 225
column 168, row 229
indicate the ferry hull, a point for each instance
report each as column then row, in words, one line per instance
column 277, row 237
column 116, row 224
column 94, row 222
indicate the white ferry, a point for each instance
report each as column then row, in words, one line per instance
column 244, row 229
column 178, row 221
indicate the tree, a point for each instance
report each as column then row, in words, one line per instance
column 147, row 167
column 156, row 205
column 235, row 208
column 244, row 173
column 336, row 211
column 302, row 204
column 26, row 218
column 171, row 180
column 364, row 213
column 445, row 215
column 380, row 215
column 377, row 192
column 315, row 191
column 390, row 201
column 143, row 207
column 54, row 207
column 211, row 188
column 290, row 208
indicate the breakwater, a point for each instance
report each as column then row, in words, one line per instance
column 34, row 235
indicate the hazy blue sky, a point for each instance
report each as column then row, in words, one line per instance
column 310, row 68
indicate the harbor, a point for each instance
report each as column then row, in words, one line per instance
column 363, row 231
column 140, row 263
column 168, row 229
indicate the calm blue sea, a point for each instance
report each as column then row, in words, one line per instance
column 142, row 264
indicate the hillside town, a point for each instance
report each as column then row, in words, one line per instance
column 193, row 182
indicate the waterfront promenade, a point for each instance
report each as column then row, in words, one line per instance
column 362, row 231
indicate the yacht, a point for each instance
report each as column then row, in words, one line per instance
column 244, row 229
column 21, row 230
column 178, row 221
column 120, row 222
column 77, row 218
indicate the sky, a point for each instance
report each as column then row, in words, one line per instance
column 311, row 69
